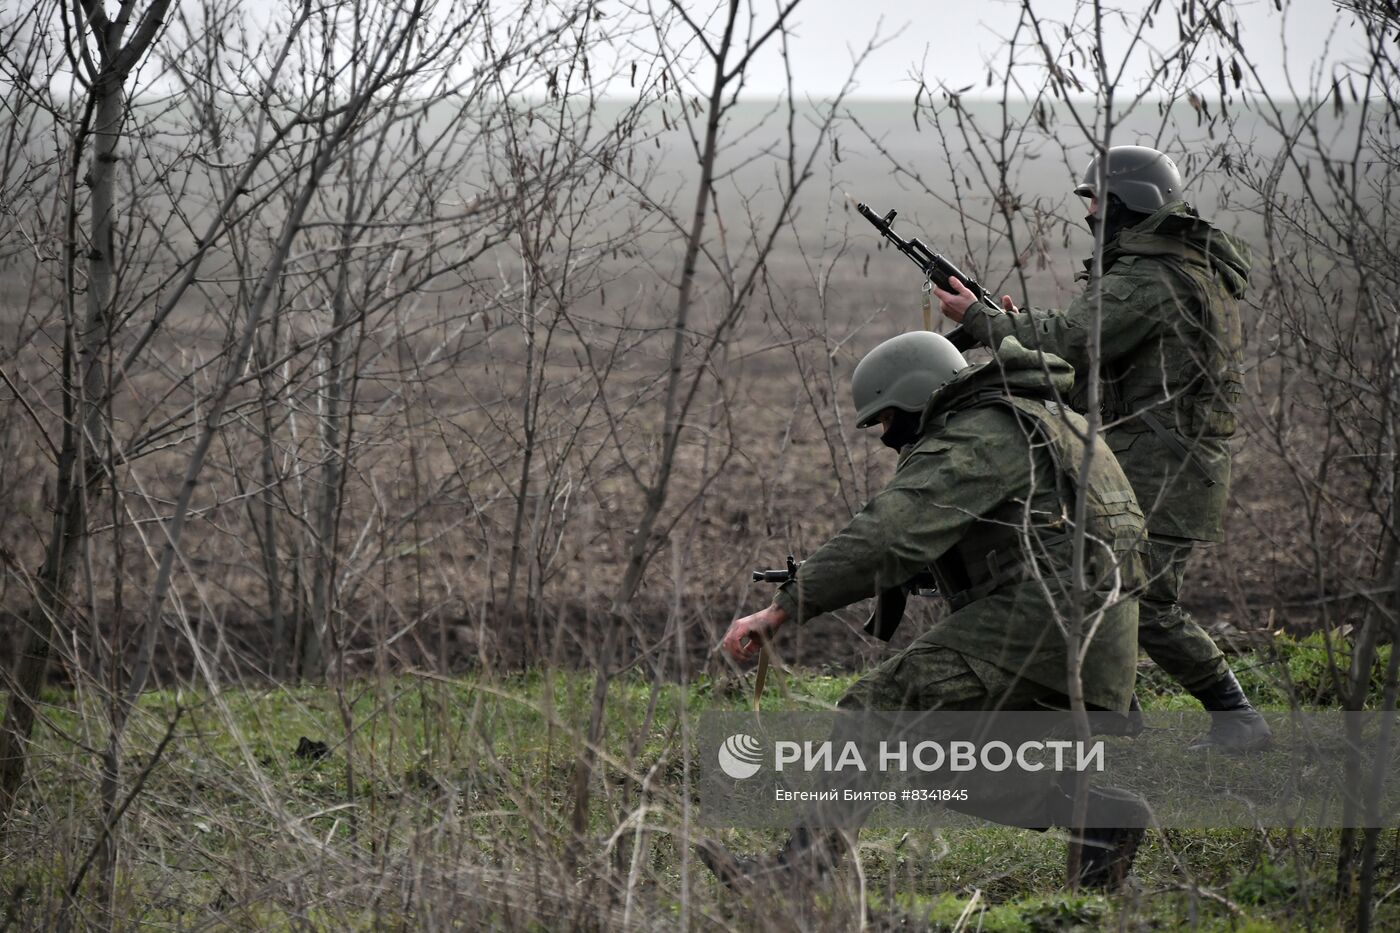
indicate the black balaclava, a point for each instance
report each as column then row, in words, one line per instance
column 1119, row 219
column 903, row 429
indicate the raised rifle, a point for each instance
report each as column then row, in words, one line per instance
column 936, row 269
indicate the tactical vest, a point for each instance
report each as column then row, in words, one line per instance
column 1018, row 542
column 1191, row 378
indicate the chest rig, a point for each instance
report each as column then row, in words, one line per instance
column 1032, row 538
column 1188, row 382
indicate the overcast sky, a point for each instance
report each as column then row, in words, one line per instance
column 952, row 41
column 1308, row 34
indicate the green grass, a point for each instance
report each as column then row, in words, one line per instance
column 450, row 802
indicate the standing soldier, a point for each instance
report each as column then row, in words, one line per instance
column 1170, row 354
column 988, row 473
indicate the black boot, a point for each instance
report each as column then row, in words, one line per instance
column 1106, row 857
column 1106, row 854
column 731, row 870
column 1235, row 725
column 807, row 854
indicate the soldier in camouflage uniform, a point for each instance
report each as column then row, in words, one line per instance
column 1170, row 352
column 987, row 473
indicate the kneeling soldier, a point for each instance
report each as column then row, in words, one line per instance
column 989, row 470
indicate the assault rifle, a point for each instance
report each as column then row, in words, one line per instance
column 936, row 268
column 778, row 576
column 889, row 604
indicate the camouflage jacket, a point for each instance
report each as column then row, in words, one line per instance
column 1170, row 360
column 983, row 498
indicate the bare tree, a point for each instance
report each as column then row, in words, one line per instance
column 104, row 54
column 308, row 141
column 1330, row 413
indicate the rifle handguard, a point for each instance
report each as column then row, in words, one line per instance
column 778, row 576
column 771, row 576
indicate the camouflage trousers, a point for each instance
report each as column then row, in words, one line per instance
column 1166, row 631
column 927, row 677
column 931, row 677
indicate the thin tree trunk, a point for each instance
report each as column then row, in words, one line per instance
column 85, row 392
column 1389, row 611
column 320, row 636
column 271, row 564
column 656, row 494
column 76, row 479
column 529, row 411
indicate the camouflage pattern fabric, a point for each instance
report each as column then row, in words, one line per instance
column 986, row 480
column 1165, row 630
column 927, row 676
column 1170, row 352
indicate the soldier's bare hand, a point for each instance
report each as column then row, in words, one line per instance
column 954, row 304
column 1008, row 305
column 747, row 635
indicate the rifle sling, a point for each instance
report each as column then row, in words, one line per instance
column 760, row 676
column 1174, row 445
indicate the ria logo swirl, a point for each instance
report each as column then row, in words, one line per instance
column 740, row 756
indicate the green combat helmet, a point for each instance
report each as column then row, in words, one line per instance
column 1142, row 178
column 902, row 373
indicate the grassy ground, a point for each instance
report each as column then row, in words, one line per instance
column 448, row 803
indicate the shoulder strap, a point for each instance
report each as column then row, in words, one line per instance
column 1169, row 440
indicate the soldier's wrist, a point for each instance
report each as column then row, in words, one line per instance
column 980, row 308
column 786, row 603
column 978, row 322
